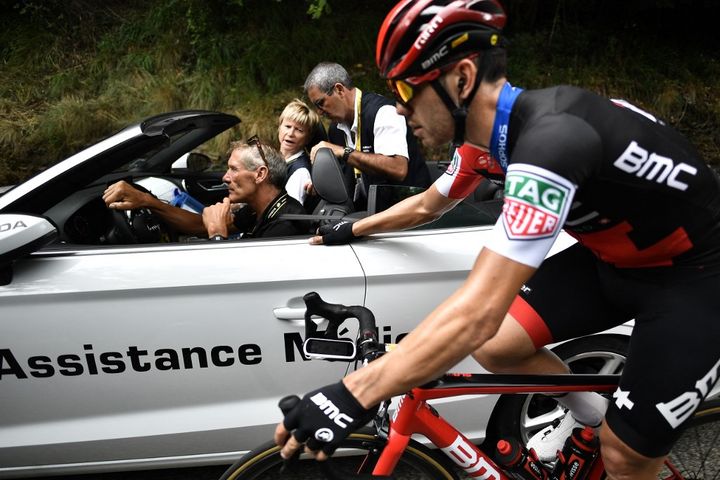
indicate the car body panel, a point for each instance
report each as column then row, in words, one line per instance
column 118, row 357
column 93, row 302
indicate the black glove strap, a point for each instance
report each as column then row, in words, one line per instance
column 338, row 234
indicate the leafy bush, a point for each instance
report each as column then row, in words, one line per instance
column 74, row 70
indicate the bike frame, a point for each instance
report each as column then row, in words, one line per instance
column 414, row 415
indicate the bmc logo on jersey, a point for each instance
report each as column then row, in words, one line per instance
column 533, row 205
column 651, row 166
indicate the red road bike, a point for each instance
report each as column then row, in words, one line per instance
column 387, row 449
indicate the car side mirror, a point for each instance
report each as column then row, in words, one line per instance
column 21, row 235
column 198, row 162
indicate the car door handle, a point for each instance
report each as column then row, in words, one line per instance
column 296, row 316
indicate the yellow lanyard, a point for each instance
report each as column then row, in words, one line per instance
column 358, row 113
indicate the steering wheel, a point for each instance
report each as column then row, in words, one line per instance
column 135, row 226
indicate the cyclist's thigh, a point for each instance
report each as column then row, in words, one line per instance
column 672, row 364
column 565, row 299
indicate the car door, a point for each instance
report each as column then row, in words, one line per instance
column 123, row 354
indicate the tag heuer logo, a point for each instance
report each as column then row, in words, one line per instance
column 533, row 205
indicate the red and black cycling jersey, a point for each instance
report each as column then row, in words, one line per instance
column 626, row 186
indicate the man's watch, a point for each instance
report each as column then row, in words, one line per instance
column 346, row 153
column 218, row 238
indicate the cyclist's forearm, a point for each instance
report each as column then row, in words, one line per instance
column 411, row 212
column 455, row 329
column 423, row 355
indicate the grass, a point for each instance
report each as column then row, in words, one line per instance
column 75, row 71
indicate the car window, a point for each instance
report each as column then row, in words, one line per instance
column 469, row 212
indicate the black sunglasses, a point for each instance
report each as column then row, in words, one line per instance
column 255, row 140
column 320, row 103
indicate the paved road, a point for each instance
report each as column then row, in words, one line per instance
column 699, row 440
column 199, row 473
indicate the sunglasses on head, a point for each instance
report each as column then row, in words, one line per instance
column 255, row 140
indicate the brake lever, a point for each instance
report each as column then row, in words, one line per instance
column 286, row 404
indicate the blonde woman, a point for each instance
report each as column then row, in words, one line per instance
column 296, row 126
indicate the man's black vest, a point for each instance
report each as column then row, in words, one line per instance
column 418, row 174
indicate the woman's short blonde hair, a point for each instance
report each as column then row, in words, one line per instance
column 299, row 112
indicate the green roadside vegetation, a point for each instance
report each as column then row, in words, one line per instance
column 74, row 71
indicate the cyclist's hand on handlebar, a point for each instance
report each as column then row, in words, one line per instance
column 335, row 234
column 322, row 420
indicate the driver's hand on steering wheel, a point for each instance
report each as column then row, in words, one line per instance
column 123, row 196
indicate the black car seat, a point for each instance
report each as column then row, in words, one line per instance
column 327, row 179
column 333, row 202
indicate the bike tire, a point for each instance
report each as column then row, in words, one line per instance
column 417, row 463
column 520, row 416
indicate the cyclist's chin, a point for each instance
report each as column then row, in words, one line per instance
column 428, row 139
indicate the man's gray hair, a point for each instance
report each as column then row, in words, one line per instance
column 325, row 75
column 251, row 160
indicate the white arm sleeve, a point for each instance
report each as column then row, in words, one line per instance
column 390, row 130
column 295, row 185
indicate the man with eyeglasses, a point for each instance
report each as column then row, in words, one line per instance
column 367, row 135
column 255, row 179
column 641, row 202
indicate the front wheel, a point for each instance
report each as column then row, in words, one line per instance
column 357, row 455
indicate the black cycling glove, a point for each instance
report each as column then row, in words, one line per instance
column 337, row 234
column 324, row 417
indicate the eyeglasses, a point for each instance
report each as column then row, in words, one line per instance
column 320, row 104
column 405, row 89
column 255, row 140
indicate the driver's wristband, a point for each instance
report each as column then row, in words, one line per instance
column 218, row 238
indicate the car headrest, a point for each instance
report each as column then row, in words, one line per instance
column 327, row 177
column 317, row 135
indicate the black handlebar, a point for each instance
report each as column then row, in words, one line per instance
column 336, row 314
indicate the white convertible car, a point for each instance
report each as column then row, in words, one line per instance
column 123, row 347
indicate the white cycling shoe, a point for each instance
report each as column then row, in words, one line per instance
column 550, row 439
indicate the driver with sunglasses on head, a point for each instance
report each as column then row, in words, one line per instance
column 642, row 204
column 255, row 179
column 372, row 142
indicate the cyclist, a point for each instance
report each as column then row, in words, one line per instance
column 643, row 206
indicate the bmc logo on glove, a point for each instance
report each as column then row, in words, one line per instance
column 330, row 410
